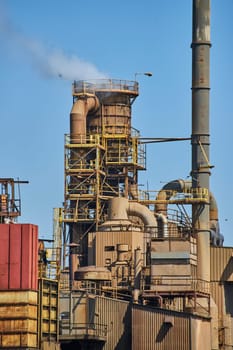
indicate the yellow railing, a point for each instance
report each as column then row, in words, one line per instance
column 121, row 152
column 190, row 196
column 115, row 85
column 74, row 140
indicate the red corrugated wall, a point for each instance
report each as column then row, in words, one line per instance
column 18, row 256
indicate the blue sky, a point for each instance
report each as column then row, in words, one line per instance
column 39, row 40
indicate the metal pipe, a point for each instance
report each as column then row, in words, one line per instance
column 137, row 273
column 84, row 104
column 78, row 116
column 117, row 208
column 166, row 192
column 216, row 237
column 200, row 129
column 161, row 218
column 141, row 211
column 120, row 208
column 182, row 186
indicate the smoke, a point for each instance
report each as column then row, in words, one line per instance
column 50, row 63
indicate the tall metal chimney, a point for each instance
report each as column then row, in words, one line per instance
column 200, row 130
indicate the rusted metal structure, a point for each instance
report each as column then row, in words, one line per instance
column 10, row 204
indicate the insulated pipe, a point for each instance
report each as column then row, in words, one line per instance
column 200, row 130
column 162, row 218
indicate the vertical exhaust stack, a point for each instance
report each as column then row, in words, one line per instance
column 200, row 129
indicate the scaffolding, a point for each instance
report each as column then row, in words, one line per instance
column 103, row 161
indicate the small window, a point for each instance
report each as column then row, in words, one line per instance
column 109, row 248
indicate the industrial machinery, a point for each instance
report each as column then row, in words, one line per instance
column 140, row 252
column 128, row 269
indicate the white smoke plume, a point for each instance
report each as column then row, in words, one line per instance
column 51, row 63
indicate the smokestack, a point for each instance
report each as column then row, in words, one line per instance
column 200, row 129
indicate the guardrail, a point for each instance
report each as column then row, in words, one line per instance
column 69, row 329
column 187, row 197
column 189, row 284
column 98, row 85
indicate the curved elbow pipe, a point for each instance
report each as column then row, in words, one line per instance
column 216, row 237
column 182, row 186
column 213, row 208
column 78, row 116
column 166, row 192
column 120, row 209
column 141, row 211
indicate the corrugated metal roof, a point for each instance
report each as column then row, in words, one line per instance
column 221, row 264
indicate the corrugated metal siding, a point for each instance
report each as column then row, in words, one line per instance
column 18, row 341
column 48, row 311
column 200, row 334
column 116, row 315
column 18, row 256
column 137, row 327
column 221, row 265
column 50, row 346
column 218, row 294
column 151, row 332
column 134, row 239
column 18, row 297
column 228, row 293
column 79, row 308
column 18, row 319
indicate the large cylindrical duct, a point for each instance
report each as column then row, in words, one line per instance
column 78, row 116
column 200, row 129
column 117, row 208
column 121, row 208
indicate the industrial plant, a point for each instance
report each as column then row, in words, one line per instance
column 126, row 268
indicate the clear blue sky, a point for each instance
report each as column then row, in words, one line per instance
column 39, row 40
